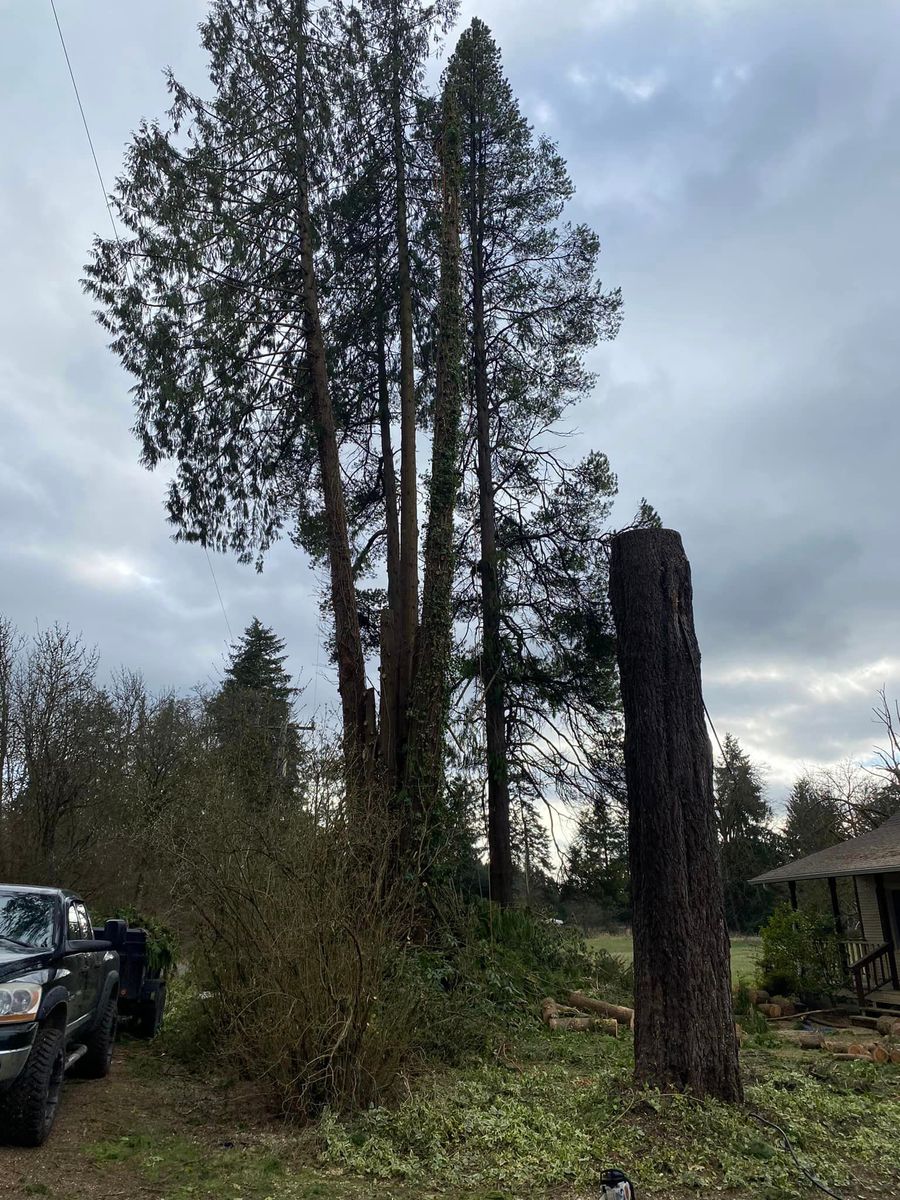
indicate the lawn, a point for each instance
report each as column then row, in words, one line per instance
column 744, row 951
column 537, row 1121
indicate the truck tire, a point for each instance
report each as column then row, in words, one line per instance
column 28, row 1109
column 149, row 1017
column 100, row 1044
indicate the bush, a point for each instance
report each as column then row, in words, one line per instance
column 800, row 953
column 298, row 937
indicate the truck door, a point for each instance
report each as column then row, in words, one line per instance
column 94, row 963
column 77, row 966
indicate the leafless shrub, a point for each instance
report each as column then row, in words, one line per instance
column 299, row 921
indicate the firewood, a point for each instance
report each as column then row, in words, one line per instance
column 549, row 1010
column 833, row 1046
column 608, row 1025
column 603, row 1007
column 805, row 1039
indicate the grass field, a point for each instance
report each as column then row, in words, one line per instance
column 744, row 951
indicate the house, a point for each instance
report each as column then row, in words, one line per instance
column 872, row 862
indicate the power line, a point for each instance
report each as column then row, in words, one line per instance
column 218, row 593
column 115, row 229
column 62, row 40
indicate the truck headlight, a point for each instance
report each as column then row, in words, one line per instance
column 19, row 1002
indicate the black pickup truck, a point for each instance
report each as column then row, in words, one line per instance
column 61, row 992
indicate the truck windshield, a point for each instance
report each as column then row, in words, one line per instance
column 26, row 919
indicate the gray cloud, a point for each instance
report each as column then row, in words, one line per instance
column 739, row 161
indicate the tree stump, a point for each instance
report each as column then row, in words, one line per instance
column 684, row 1027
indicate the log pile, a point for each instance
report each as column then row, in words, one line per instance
column 571, row 1017
column 884, row 1051
column 557, row 1016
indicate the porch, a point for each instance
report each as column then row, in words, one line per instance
column 866, row 872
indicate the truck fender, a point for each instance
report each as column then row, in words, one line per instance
column 111, row 985
column 52, row 998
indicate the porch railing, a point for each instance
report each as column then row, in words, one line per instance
column 873, row 970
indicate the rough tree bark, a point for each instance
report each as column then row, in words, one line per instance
column 684, row 1027
column 499, row 842
column 408, row 615
column 430, row 692
column 350, row 659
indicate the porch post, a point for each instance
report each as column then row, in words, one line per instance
column 792, row 888
column 886, row 929
column 838, row 924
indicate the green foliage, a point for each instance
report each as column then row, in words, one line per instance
column 181, row 1168
column 570, row 1110
column 800, row 953
column 749, row 845
column 162, row 944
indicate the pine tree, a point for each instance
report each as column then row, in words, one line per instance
column 596, row 879
column 534, row 307
column 254, row 719
column 812, row 820
column 749, row 845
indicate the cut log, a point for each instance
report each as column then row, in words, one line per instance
column 848, row 1057
column 888, row 1025
column 770, row 1010
column 802, row 1038
column 549, row 1010
column 833, row 1046
column 588, row 1004
column 857, row 1048
column 608, row 1025
column 862, row 1022
column 758, row 996
column 879, row 1054
column 895, row 1057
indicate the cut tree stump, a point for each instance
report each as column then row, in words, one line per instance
column 684, row 1035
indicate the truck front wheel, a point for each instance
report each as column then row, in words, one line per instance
column 28, row 1109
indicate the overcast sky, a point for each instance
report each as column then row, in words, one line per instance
column 739, row 159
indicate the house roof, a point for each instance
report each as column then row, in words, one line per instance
column 869, row 854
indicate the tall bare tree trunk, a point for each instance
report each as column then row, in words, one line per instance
column 350, row 659
column 684, row 1027
column 408, row 614
column 388, row 730
column 428, row 711
column 499, row 842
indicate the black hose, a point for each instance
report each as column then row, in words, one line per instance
column 787, row 1141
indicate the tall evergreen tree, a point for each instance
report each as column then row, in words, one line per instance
column 749, row 845
column 254, row 719
column 534, row 307
column 812, row 820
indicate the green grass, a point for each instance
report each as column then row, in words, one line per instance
column 744, row 951
column 549, row 1122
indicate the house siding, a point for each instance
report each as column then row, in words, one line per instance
column 868, row 909
column 892, row 884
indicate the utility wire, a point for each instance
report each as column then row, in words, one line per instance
column 62, row 41
column 218, row 593
column 787, row 1142
column 115, row 229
